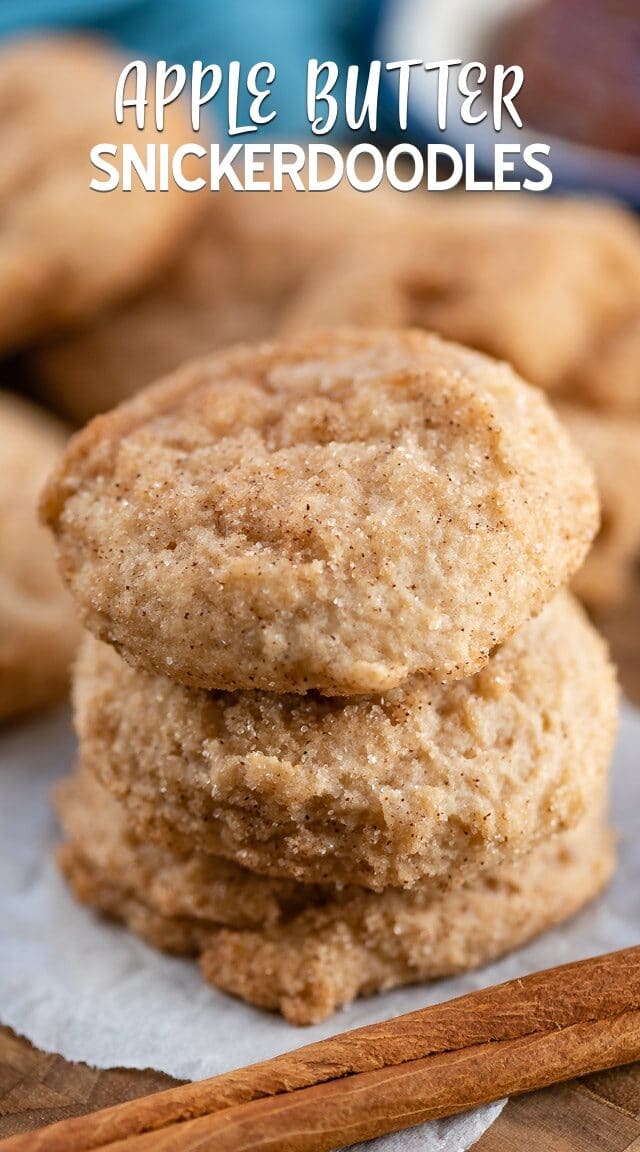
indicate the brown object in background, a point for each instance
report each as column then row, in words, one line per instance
column 232, row 281
column 66, row 251
column 437, row 1061
column 580, row 59
column 621, row 627
column 38, row 627
column 610, row 378
column 551, row 285
column 612, row 445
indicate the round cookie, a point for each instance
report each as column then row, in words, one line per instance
column 612, row 445
column 66, row 250
column 232, row 282
column 331, row 513
column 306, row 951
column 537, row 282
column 429, row 783
column 38, row 632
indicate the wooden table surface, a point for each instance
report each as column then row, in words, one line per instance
column 599, row 1113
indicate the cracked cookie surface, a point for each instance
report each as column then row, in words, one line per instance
column 334, row 512
column 306, row 951
column 426, row 784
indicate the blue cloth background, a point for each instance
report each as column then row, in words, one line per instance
column 286, row 32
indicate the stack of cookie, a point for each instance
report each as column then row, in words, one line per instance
column 340, row 727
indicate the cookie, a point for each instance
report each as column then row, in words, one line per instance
column 66, row 250
column 537, row 282
column 232, row 282
column 331, row 513
column 192, row 885
column 610, row 379
column 307, row 953
column 612, row 444
column 38, row 633
column 425, row 784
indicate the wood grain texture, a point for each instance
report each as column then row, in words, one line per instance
column 598, row 1113
column 582, row 1116
column 37, row 1088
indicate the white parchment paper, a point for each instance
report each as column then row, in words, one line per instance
column 74, row 984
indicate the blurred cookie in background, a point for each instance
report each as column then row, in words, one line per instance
column 612, row 445
column 611, row 378
column 65, row 250
column 239, row 274
column 38, row 630
column 537, row 282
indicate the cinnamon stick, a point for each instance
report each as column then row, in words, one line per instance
column 343, row 1112
column 543, row 1012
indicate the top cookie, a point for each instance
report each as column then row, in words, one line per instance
column 331, row 513
column 66, row 250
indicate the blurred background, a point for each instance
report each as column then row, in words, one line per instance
column 581, row 59
column 285, row 32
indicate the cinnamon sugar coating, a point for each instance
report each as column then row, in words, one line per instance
column 306, row 951
column 427, row 784
column 331, row 513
